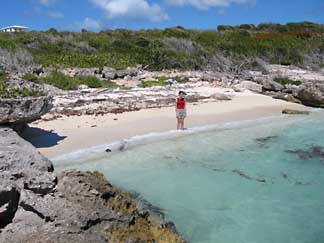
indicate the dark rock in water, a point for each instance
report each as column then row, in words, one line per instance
column 312, row 152
column 295, row 112
column 299, row 183
column 242, row 174
column 266, row 139
column 284, row 175
column 262, row 142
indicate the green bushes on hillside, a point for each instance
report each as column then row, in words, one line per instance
column 172, row 47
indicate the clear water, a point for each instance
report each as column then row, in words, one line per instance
column 233, row 185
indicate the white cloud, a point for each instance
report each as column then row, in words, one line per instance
column 55, row 14
column 131, row 9
column 46, row 2
column 206, row 4
column 89, row 24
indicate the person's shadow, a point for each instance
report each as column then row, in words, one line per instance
column 41, row 138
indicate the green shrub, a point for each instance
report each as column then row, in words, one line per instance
column 151, row 83
column 90, row 81
column 3, row 76
column 110, row 85
column 30, row 77
column 287, row 81
column 60, row 81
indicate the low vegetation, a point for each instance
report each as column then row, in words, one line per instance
column 6, row 92
column 287, row 81
column 65, row 82
column 161, row 81
column 228, row 46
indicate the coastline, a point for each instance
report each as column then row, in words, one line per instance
column 69, row 134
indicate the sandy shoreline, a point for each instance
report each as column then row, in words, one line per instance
column 68, row 134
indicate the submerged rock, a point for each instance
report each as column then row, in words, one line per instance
column 312, row 152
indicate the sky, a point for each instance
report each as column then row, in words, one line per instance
column 96, row 15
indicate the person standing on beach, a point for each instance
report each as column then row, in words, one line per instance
column 181, row 111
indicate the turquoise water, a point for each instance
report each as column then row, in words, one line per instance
column 260, row 183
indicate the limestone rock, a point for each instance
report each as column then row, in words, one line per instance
column 23, row 110
column 248, row 85
column 270, row 85
column 295, row 112
column 312, row 94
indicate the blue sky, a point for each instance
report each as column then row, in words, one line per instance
column 96, row 15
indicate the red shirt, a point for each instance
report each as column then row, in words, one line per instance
column 181, row 103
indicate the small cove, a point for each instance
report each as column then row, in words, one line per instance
column 258, row 182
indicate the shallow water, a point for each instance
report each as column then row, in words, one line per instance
column 259, row 183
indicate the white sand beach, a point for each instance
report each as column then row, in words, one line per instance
column 68, row 134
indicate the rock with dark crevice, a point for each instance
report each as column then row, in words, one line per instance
column 9, row 199
column 38, row 206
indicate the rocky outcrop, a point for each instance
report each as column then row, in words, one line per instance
column 111, row 73
column 312, row 94
column 38, row 206
column 94, row 102
column 298, row 86
column 21, row 110
column 248, row 85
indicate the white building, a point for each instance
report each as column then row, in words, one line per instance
column 14, row 28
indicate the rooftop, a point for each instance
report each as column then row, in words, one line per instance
column 14, row 26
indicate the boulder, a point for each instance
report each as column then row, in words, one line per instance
column 286, row 97
column 23, row 110
column 248, row 85
column 270, row 85
column 294, row 112
column 312, row 94
column 111, row 73
column 22, row 164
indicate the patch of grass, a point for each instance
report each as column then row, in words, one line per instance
column 90, row 81
column 30, row 77
column 3, row 76
column 287, row 81
column 60, row 81
column 161, row 81
column 152, row 83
